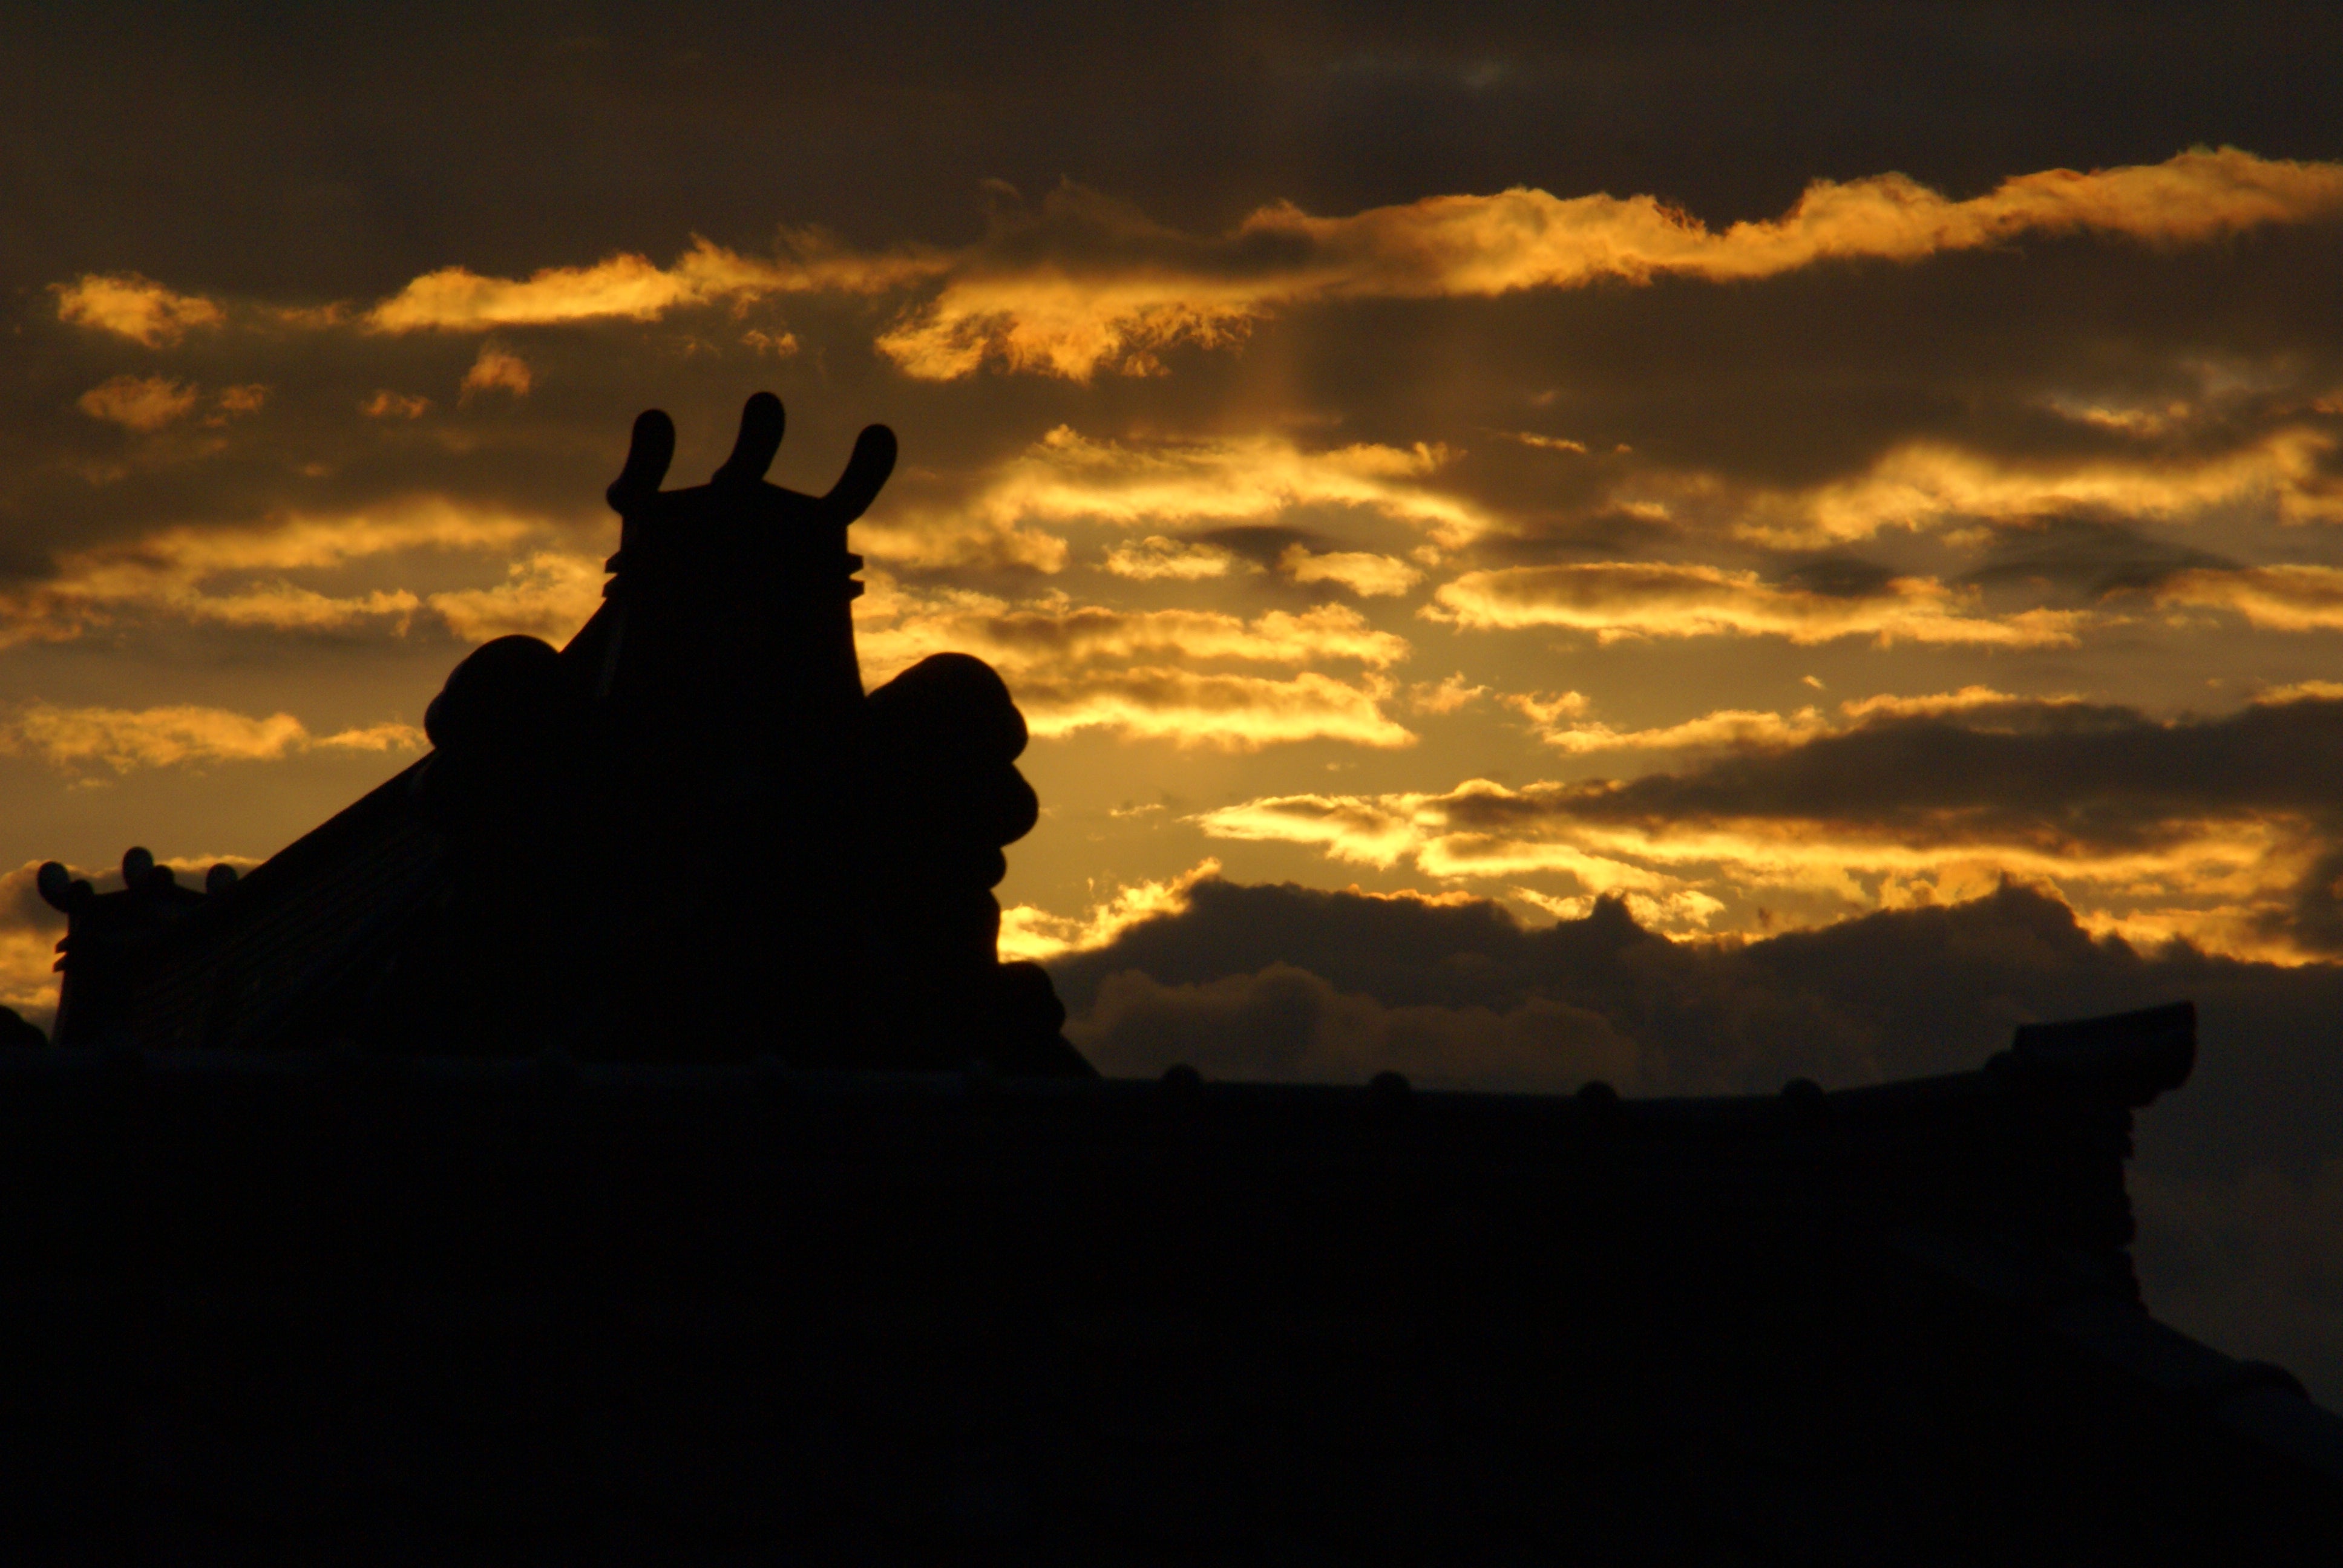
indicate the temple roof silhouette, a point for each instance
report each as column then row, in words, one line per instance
column 615, row 1138
column 687, row 835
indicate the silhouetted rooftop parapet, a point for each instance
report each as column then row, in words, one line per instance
column 112, row 931
column 2130, row 1057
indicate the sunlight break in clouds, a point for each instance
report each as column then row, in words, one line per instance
column 1211, row 711
column 132, row 306
column 1068, row 477
column 2223, row 830
column 897, row 626
column 1082, row 667
column 1088, row 284
column 2223, row 883
column 1614, row 599
column 1032, row 933
column 126, row 738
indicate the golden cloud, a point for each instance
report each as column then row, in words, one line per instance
column 1068, row 477
column 1079, row 666
column 1073, row 327
column 631, row 287
column 2301, row 691
column 388, row 405
column 897, row 626
column 1487, row 831
column 1157, row 557
column 549, row 595
column 1212, row 711
column 28, row 982
column 140, row 403
column 1725, row 727
column 236, row 576
column 1746, row 729
column 1614, row 599
column 1969, row 700
column 132, row 306
column 386, row 737
column 1449, row 696
column 1118, row 289
column 1365, row 574
column 1926, row 485
column 1547, row 443
column 944, row 538
column 2279, row 597
column 495, row 367
column 1542, row 709
column 1528, row 239
column 1678, row 909
column 126, row 738
column 1090, row 284
column 1032, row 933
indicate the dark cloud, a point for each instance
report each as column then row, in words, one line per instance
column 2235, row 1168
column 345, row 153
column 1814, row 376
column 1605, row 534
column 1833, row 576
column 1888, row 996
column 2093, row 555
column 1262, row 545
column 2103, row 776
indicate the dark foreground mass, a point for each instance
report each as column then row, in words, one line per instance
column 411, row 1309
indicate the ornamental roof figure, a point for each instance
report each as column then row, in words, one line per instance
column 736, row 591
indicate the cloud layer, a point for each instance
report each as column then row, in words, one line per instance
column 2222, row 831
column 128, row 739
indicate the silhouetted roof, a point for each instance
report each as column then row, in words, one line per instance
column 413, row 1305
column 253, row 965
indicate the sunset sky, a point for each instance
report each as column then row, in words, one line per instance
column 1876, row 475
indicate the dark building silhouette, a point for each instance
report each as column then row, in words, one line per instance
column 687, row 835
column 615, row 1140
